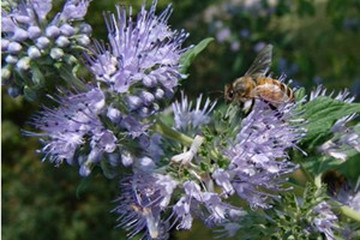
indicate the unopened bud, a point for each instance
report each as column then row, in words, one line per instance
column 34, row 32
column 83, row 40
column 159, row 94
column 67, row 30
column 23, row 63
column 33, row 52
column 11, row 59
column 52, row 31
column 62, row 41
column 5, row 74
column 20, row 35
column 85, row 28
column 134, row 102
column 4, row 44
column 13, row 91
column 42, row 42
column 14, row 47
column 56, row 53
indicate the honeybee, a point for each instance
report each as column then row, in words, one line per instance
column 256, row 84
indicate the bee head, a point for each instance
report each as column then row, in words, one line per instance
column 229, row 93
column 239, row 86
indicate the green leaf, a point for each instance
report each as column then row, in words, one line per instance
column 321, row 113
column 29, row 94
column 188, row 57
column 299, row 94
column 319, row 164
column 37, row 76
column 84, row 183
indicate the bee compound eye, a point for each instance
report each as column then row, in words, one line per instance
column 231, row 94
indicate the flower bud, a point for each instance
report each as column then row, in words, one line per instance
column 34, row 32
column 85, row 28
column 11, row 59
column 4, row 44
column 67, row 30
column 20, row 18
column 33, row 52
column 147, row 97
column 23, row 63
column 134, row 102
column 113, row 114
column 83, row 40
column 14, row 47
column 62, row 41
column 149, row 81
column 144, row 112
column 5, row 74
column 156, row 107
column 20, row 35
column 42, row 42
column 13, row 91
column 52, row 31
column 159, row 93
column 56, row 53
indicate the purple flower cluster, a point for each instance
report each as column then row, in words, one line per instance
column 143, row 203
column 29, row 36
column 258, row 159
column 140, row 68
column 74, row 124
column 142, row 59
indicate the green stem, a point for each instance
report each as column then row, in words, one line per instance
column 71, row 79
column 160, row 127
column 349, row 212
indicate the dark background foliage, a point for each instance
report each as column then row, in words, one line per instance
column 315, row 42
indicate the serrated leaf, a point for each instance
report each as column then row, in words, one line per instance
column 188, row 57
column 321, row 113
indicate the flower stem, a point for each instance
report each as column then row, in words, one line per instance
column 160, row 127
column 349, row 212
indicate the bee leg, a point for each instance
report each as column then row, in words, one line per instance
column 278, row 114
column 247, row 106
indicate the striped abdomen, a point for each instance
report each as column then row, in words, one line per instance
column 273, row 90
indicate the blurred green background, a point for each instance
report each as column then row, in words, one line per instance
column 315, row 42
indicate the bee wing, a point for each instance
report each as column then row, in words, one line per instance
column 262, row 62
column 269, row 92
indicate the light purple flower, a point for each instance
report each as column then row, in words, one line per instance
column 344, row 95
column 74, row 10
column 67, row 128
column 206, row 205
column 325, row 220
column 346, row 140
column 258, row 157
column 187, row 118
column 143, row 50
column 182, row 213
column 143, row 199
column 222, row 178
